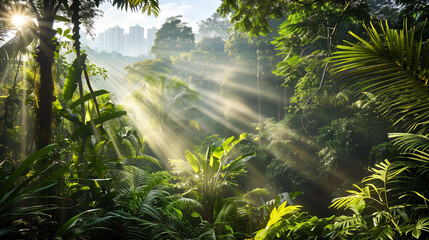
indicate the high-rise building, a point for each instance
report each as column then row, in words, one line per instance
column 83, row 39
column 99, row 42
column 151, row 34
column 118, row 40
column 129, row 43
column 136, row 40
column 114, row 40
column 109, row 38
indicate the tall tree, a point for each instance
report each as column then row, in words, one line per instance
column 215, row 26
column 173, row 38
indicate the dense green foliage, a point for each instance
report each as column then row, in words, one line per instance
column 173, row 162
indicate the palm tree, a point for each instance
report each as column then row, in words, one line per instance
column 394, row 67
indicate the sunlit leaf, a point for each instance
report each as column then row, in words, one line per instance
column 87, row 97
column 73, row 77
column 193, row 161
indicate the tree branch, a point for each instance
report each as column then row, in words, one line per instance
column 58, row 6
column 341, row 17
column 36, row 12
column 329, row 43
column 306, row 4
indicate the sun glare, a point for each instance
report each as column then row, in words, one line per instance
column 19, row 20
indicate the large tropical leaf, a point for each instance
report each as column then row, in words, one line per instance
column 276, row 215
column 17, row 191
column 87, row 97
column 393, row 66
column 14, row 46
column 73, row 77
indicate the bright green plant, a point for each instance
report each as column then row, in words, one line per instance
column 141, row 207
column 243, row 213
column 391, row 203
column 378, row 207
column 207, row 177
column 21, row 190
column 379, row 212
column 276, row 215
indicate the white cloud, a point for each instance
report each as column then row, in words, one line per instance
column 192, row 11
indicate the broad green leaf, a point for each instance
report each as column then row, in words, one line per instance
column 97, row 149
column 226, row 143
column 67, row 114
column 70, row 223
column 23, row 168
column 242, row 136
column 240, row 162
column 179, row 213
column 73, row 77
column 278, row 213
column 228, row 228
column 193, row 161
column 87, row 97
column 109, row 116
column 194, row 124
column 295, row 194
column 87, row 129
column 195, row 214
column 62, row 19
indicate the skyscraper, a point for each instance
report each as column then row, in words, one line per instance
column 113, row 40
column 109, row 38
column 138, row 40
column 118, row 41
column 151, row 34
column 99, row 42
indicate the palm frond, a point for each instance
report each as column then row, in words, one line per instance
column 151, row 7
column 347, row 226
column 390, row 65
column 421, row 225
column 382, row 233
column 11, row 48
column 385, row 172
column 408, row 142
column 180, row 202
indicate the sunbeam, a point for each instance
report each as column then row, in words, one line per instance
column 19, row 21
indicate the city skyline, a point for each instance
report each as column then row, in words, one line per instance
column 136, row 42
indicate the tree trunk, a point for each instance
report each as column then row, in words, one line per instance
column 45, row 89
column 279, row 97
column 258, row 79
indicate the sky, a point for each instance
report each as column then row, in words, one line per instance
column 192, row 11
